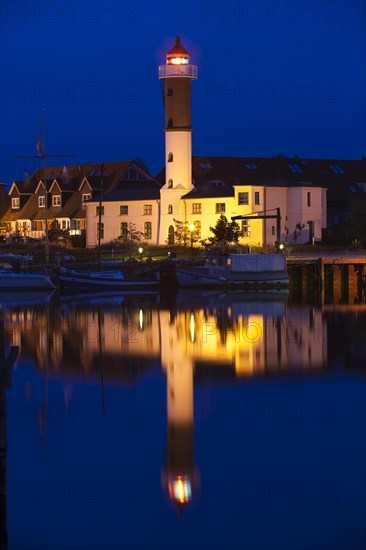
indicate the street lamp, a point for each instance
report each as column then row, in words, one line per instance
column 141, row 251
column 191, row 228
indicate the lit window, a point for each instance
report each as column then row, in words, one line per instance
column 124, row 230
column 97, row 210
column 256, row 198
column 41, row 202
column 295, row 169
column 245, row 228
column 86, row 197
column 147, row 230
column 220, row 207
column 56, row 200
column 101, row 227
column 64, row 224
column 170, row 209
column 196, row 208
column 147, row 209
column 170, row 157
column 15, row 203
column 243, row 198
column 309, row 198
column 123, row 210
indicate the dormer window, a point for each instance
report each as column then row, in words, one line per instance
column 170, row 157
column 41, row 202
column 170, row 183
column 56, row 200
column 86, row 197
column 15, row 203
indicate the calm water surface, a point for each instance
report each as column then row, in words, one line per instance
column 207, row 421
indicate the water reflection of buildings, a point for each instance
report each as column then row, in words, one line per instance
column 204, row 337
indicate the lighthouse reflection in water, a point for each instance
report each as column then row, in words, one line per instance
column 164, row 396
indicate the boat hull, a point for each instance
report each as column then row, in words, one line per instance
column 25, row 282
column 197, row 277
column 87, row 283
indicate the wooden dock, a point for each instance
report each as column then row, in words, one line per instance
column 341, row 275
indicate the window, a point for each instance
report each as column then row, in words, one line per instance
column 169, row 91
column 251, row 166
column 64, row 224
column 256, row 197
column 123, row 210
column 101, row 231
column 147, row 230
column 56, row 200
column 170, row 209
column 243, row 198
column 97, row 210
column 196, row 208
column 124, row 230
column 220, row 207
column 41, row 202
column 147, row 209
column 197, row 229
column 170, row 123
column 336, row 169
column 273, row 230
column 86, row 197
column 205, row 165
column 245, row 228
column 170, row 183
column 77, row 224
column 15, row 203
column 170, row 157
column 295, row 169
column 309, row 198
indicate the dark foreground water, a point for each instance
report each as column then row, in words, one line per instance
column 209, row 421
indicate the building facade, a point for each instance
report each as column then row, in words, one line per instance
column 278, row 198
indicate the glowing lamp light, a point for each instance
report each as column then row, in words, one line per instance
column 141, row 319
column 141, row 250
column 180, row 489
column 192, row 327
column 191, row 227
column 281, row 247
column 178, row 61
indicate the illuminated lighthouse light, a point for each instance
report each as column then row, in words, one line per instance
column 178, row 61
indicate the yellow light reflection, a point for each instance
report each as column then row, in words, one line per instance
column 141, row 319
column 192, row 327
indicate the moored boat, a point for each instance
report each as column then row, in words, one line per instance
column 24, row 281
column 235, row 270
column 103, row 281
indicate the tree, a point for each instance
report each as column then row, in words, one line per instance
column 225, row 232
column 55, row 233
column 355, row 220
column 181, row 233
column 132, row 237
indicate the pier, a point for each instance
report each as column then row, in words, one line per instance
column 339, row 275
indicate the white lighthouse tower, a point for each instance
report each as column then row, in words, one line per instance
column 176, row 76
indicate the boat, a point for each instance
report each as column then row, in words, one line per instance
column 24, row 281
column 248, row 271
column 103, row 281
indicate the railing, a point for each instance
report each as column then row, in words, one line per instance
column 168, row 71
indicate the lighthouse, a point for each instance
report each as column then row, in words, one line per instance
column 176, row 76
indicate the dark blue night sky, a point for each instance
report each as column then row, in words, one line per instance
column 274, row 77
